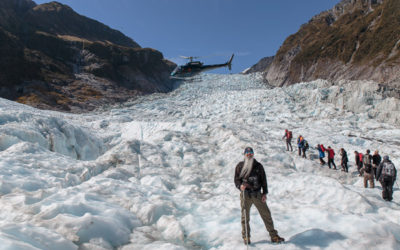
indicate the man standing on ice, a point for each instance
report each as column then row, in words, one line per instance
column 250, row 179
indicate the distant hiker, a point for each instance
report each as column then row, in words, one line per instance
column 305, row 148
column 386, row 175
column 321, row 151
column 331, row 156
column 368, row 174
column 344, row 160
column 300, row 144
column 376, row 160
column 288, row 135
column 250, row 179
column 358, row 160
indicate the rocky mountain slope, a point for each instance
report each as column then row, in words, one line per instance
column 261, row 66
column 356, row 40
column 53, row 58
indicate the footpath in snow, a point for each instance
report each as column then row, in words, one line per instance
column 157, row 172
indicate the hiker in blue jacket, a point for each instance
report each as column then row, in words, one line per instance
column 321, row 151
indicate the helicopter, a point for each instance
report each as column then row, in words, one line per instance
column 195, row 67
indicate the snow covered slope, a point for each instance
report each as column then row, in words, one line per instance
column 157, row 173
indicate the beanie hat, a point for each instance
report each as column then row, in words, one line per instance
column 248, row 150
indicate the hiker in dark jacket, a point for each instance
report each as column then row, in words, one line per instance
column 344, row 160
column 321, row 151
column 331, row 156
column 386, row 175
column 288, row 135
column 368, row 172
column 376, row 160
column 250, row 179
column 300, row 144
column 305, row 148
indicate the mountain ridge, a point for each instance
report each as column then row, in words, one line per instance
column 47, row 49
column 355, row 40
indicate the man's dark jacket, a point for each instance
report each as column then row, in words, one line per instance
column 256, row 180
column 376, row 159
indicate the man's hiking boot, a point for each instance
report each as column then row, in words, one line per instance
column 277, row 239
column 246, row 242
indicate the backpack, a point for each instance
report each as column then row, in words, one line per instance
column 388, row 170
column 331, row 153
column 322, row 148
column 306, row 144
column 289, row 135
column 360, row 156
column 367, row 159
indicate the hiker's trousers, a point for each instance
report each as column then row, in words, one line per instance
column 246, row 203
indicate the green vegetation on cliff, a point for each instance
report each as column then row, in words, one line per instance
column 360, row 37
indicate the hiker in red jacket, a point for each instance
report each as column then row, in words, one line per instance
column 360, row 164
column 331, row 155
column 288, row 135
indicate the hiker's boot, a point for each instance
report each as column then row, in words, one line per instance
column 277, row 239
column 246, row 241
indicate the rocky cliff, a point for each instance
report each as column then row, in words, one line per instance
column 53, row 58
column 356, row 40
column 260, row 66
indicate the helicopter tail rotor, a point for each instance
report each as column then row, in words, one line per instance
column 230, row 62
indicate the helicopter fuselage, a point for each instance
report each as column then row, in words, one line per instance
column 195, row 67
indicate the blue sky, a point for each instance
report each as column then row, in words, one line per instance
column 213, row 29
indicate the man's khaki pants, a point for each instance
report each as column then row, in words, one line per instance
column 262, row 209
column 369, row 177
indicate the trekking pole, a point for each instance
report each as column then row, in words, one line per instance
column 245, row 219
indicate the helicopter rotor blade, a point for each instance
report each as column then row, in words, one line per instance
column 190, row 57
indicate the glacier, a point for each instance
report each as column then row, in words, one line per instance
column 157, row 172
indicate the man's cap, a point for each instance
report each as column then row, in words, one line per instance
column 248, row 150
column 386, row 157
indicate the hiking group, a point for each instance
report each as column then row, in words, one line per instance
column 370, row 167
column 251, row 180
